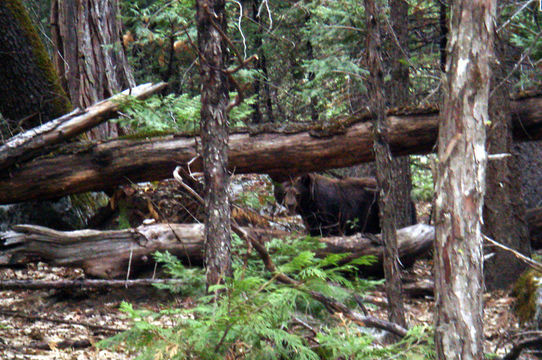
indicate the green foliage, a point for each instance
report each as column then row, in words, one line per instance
column 169, row 114
column 525, row 290
column 192, row 279
column 352, row 342
column 258, row 317
column 422, row 178
column 162, row 114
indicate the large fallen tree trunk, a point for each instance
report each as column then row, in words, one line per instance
column 98, row 166
column 110, row 254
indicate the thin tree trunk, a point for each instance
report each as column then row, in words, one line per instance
column 211, row 17
column 89, row 54
column 460, row 184
column 504, row 210
column 384, row 172
column 257, row 113
column 443, row 24
column 399, row 95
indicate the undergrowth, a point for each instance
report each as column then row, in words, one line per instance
column 260, row 318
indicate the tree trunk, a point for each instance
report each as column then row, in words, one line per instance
column 529, row 157
column 97, row 166
column 443, row 24
column 399, row 95
column 534, row 219
column 30, row 92
column 89, row 56
column 504, row 210
column 460, row 184
column 383, row 164
column 211, row 22
column 30, row 95
column 109, row 254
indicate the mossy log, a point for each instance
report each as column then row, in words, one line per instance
column 98, row 166
column 110, row 254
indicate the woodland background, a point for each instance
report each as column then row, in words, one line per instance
column 300, row 68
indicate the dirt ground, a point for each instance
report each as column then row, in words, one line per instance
column 37, row 324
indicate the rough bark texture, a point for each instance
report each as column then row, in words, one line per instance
column 30, row 92
column 529, row 157
column 460, row 184
column 399, row 95
column 30, row 95
column 383, row 165
column 504, row 210
column 109, row 254
column 534, row 218
column 103, row 165
column 88, row 53
column 211, row 18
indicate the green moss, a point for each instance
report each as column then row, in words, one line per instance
column 87, row 204
column 141, row 135
column 525, row 293
column 60, row 103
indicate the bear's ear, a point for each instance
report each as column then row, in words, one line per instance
column 306, row 180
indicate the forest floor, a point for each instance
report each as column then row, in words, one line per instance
column 37, row 324
column 59, row 324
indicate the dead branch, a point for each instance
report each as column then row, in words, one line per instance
column 80, row 284
column 25, row 145
column 516, row 350
column 532, row 263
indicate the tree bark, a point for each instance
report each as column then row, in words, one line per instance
column 504, row 210
column 460, row 184
column 30, row 92
column 31, row 95
column 109, row 254
column 399, row 95
column 211, row 23
column 89, row 56
column 383, row 164
column 534, row 219
column 98, row 166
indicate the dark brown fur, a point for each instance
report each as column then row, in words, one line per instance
column 334, row 207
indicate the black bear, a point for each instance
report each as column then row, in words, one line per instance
column 333, row 207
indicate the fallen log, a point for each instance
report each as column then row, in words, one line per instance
column 98, row 166
column 25, row 145
column 110, row 254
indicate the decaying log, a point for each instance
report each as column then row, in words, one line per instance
column 109, row 254
column 25, row 145
column 98, row 166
